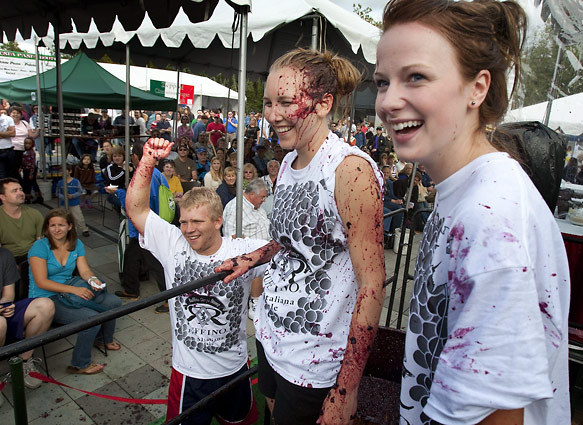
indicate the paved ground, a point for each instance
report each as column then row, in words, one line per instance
column 139, row 370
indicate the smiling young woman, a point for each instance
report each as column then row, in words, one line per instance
column 487, row 333
column 323, row 290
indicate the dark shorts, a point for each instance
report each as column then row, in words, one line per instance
column 233, row 407
column 15, row 324
column 293, row 404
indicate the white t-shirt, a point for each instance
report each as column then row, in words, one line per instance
column 310, row 289
column 6, row 122
column 21, row 134
column 488, row 316
column 208, row 325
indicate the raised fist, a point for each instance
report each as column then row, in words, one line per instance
column 157, row 148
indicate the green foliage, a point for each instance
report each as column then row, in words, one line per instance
column 253, row 90
column 364, row 14
column 12, row 46
column 539, row 63
column 106, row 59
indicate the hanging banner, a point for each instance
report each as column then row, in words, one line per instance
column 16, row 65
column 158, row 87
column 186, row 94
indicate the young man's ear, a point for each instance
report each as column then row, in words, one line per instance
column 218, row 223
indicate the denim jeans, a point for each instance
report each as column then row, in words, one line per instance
column 85, row 339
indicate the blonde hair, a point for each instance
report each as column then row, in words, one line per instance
column 229, row 170
column 199, row 196
column 326, row 72
column 217, row 175
column 248, row 166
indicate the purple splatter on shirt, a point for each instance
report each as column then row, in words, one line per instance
column 461, row 332
column 543, row 308
column 509, row 237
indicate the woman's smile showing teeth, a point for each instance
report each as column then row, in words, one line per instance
column 406, row 125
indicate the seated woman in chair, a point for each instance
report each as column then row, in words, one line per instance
column 52, row 262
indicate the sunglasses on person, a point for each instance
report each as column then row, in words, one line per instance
column 183, row 148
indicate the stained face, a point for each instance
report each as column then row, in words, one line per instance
column 290, row 109
column 59, row 228
column 200, row 230
column 422, row 98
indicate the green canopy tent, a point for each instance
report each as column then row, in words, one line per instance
column 85, row 84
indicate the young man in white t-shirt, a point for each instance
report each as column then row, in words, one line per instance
column 209, row 346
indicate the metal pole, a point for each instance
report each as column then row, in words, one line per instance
column 550, row 94
column 176, row 117
column 18, row 395
column 127, row 130
column 40, row 121
column 127, row 114
column 240, row 127
column 314, row 45
column 61, row 117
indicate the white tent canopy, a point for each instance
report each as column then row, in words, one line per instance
column 567, row 113
column 265, row 16
column 204, row 87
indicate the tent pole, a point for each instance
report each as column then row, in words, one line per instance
column 127, row 132
column 314, row 45
column 127, row 120
column 550, row 94
column 240, row 128
column 61, row 116
column 40, row 121
column 176, row 117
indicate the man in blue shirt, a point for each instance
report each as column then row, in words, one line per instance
column 165, row 127
column 199, row 127
column 137, row 258
column 231, row 125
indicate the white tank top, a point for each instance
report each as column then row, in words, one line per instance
column 309, row 287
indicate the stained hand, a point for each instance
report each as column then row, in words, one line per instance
column 157, row 148
column 339, row 407
column 239, row 265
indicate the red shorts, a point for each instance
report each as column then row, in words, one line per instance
column 236, row 406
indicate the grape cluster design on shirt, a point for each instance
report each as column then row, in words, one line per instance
column 302, row 222
column 427, row 320
column 213, row 307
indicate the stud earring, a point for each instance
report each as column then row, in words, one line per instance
column 473, row 103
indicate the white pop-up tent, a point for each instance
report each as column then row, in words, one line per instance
column 273, row 29
column 567, row 113
column 207, row 93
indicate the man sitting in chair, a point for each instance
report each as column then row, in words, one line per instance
column 21, row 319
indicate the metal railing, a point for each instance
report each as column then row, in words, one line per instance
column 16, row 369
column 72, row 328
